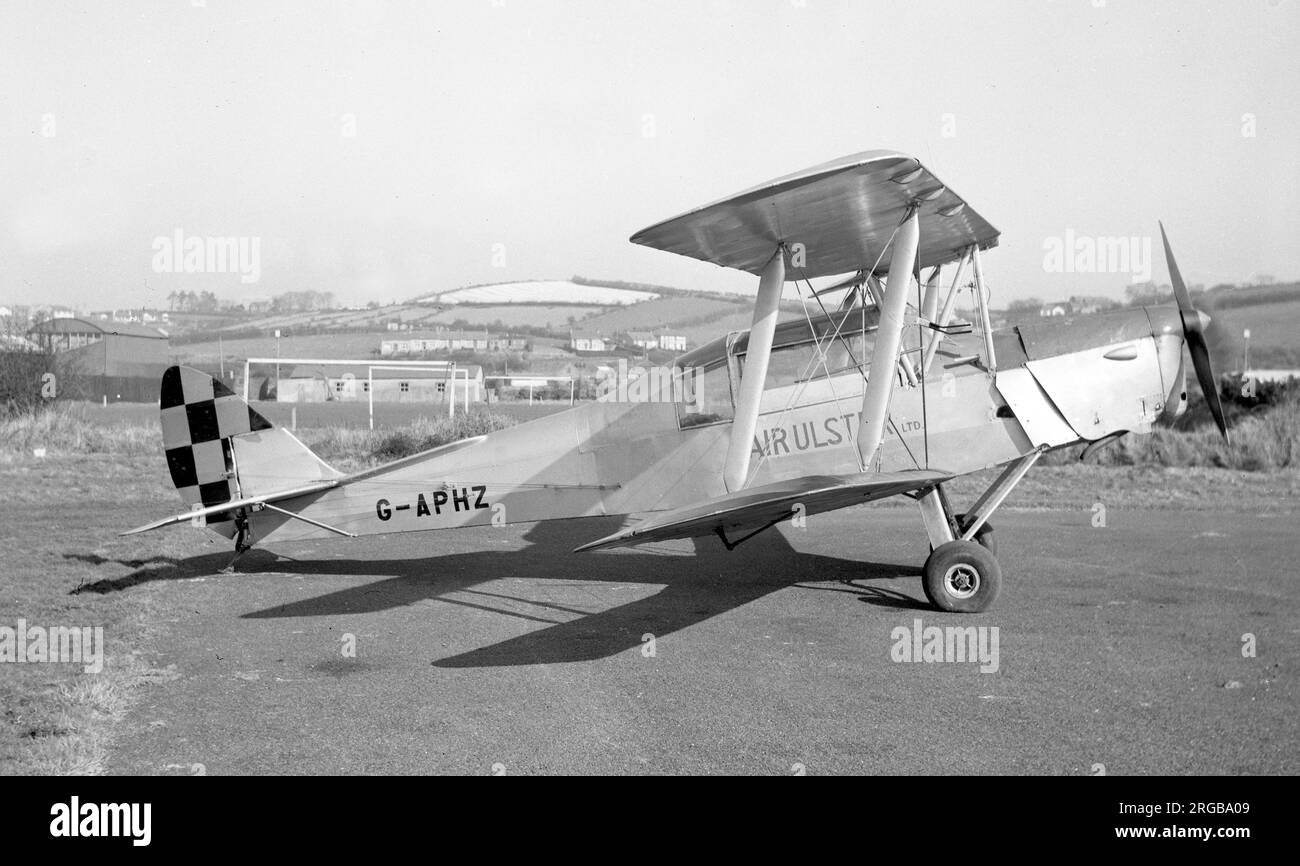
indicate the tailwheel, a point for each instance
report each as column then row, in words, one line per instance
column 962, row 577
column 243, row 540
column 985, row 535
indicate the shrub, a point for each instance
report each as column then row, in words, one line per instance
column 30, row 380
column 420, row 435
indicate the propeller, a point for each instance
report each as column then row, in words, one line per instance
column 1194, row 338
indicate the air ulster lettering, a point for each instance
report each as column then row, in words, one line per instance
column 805, row 435
column 837, row 430
column 452, row 499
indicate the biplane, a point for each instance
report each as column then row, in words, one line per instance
column 877, row 389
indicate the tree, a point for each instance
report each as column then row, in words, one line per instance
column 1139, row 294
column 1025, row 305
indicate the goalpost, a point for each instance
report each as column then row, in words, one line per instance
column 448, row 367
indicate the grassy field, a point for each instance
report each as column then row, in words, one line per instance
column 663, row 313
column 1273, row 329
column 309, row 415
column 354, row 346
column 554, row 316
column 66, row 565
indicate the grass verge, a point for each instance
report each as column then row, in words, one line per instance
column 59, row 521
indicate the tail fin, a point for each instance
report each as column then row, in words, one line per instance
column 220, row 450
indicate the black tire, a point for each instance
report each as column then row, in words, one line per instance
column 962, row 577
column 985, row 535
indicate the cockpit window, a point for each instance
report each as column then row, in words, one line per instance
column 704, row 392
column 801, row 361
column 705, row 396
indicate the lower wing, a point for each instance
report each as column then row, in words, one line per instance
column 770, row 504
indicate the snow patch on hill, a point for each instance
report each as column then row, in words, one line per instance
column 541, row 292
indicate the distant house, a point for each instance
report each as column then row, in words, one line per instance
column 643, row 339
column 140, row 316
column 1088, row 304
column 579, row 342
column 1078, row 305
column 116, row 360
column 672, row 342
column 1269, row 375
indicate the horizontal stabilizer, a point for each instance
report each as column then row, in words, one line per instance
column 770, row 503
column 225, row 508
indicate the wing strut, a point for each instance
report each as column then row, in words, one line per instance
column 990, row 360
column 732, row 545
column 875, row 400
column 930, row 304
column 949, row 303
column 758, row 353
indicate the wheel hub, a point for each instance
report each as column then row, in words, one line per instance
column 961, row 580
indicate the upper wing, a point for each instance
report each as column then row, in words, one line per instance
column 770, row 503
column 843, row 212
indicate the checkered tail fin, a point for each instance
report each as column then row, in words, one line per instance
column 219, row 449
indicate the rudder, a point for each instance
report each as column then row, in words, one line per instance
column 220, row 449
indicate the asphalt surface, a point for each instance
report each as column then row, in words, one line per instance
column 498, row 651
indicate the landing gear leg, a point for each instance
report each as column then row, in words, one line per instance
column 962, row 573
column 243, row 541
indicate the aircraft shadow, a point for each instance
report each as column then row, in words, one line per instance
column 694, row 588
column 877, row 595
column 166, row 568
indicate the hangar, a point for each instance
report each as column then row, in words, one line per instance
column 115, row 361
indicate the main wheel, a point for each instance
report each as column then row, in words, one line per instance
column 985, row 535
column 962, row 577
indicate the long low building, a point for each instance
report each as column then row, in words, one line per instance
column 452, row 341
column 309, row 383
column 1267, row 375
column 112, row 360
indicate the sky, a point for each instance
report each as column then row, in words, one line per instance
column 380, row 151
